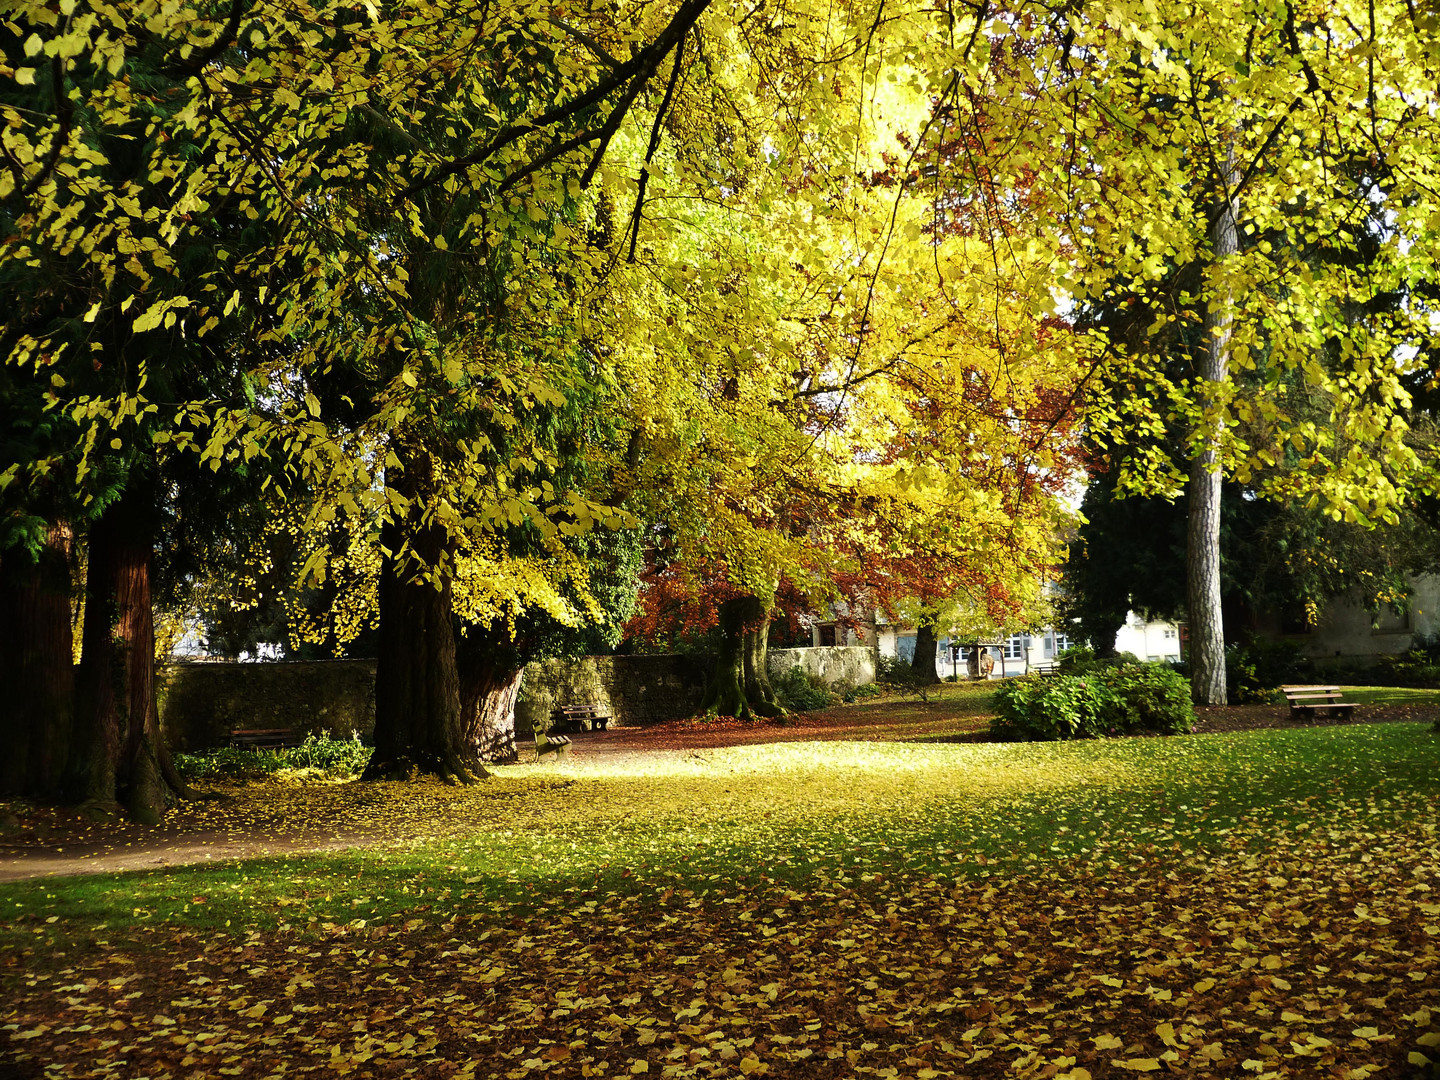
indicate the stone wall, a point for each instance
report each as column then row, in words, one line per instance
column 202, row 702
column 853, row 664
column 635, row 689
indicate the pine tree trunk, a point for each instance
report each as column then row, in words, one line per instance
column 117, row 744
column 417, row 687
column 926, row 643
column 741, row 618
column 37, row 670
column 490, row 671
column 1207, row 632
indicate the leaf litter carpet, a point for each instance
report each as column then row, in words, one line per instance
column 809, row 910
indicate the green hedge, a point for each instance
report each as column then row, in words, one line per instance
column 321, row 753
column 1106, row 701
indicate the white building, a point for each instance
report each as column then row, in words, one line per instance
column 1153, row 641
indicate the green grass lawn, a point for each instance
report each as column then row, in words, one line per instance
column 822, row 909
column 1392, row 695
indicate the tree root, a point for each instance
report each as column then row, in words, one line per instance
column 448, row 767
column 99, row 809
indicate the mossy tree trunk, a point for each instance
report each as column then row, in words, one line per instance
column 490, row 668
column 926, row 642
column 37, row 671
column 741, row 685
column 755, row 648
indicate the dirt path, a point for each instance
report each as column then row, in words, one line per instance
column 40, row 842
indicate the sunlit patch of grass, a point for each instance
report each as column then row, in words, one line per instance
column 1392, row 695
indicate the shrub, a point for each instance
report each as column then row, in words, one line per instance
column 318, row 753
column 863, row 691
column 1418, row 666
column 799, row 690
column 1082, row 661
column 897, row 675
column 1154, row 697
column 1065, row 707
column 340, row 756
column 229, row 762
column 1108, row 700
column 1256, row 669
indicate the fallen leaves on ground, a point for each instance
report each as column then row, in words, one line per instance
column 1255, row 905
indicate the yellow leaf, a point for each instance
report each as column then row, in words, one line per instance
column 1138, row 1064
column 1107, row 1042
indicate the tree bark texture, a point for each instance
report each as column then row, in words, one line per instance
column 926, row 644
column 117, row 748
column 755, row 650
column 490, row 670
column 741, row 686
column 1207, row 631
column 37, row 673
column 418, row 729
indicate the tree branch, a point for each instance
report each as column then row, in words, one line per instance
column 65, row 113
column 196, row 63
column 590, row 43
column 633, row 74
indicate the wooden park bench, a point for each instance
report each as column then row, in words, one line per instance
column 546, row 743
column 263, row 738
column 1309, row 701
column 1046, row 669
column 581, row 718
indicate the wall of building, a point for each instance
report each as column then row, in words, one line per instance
column 1345, row 630
column 1153, row 641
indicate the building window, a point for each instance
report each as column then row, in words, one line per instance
column 1171, row 633
column 1294, row 619
column 1015, row 647
column 827, row 634
column 1390, row 621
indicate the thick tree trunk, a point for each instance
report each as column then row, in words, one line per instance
column 755, row 652
column 417, row 686
column 36, row 666
column 740, row 686
column 926, row 642
column 1207, row 633
column 490, row 669
column 117, row 745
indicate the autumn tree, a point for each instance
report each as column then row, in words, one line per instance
column 1236, row 140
